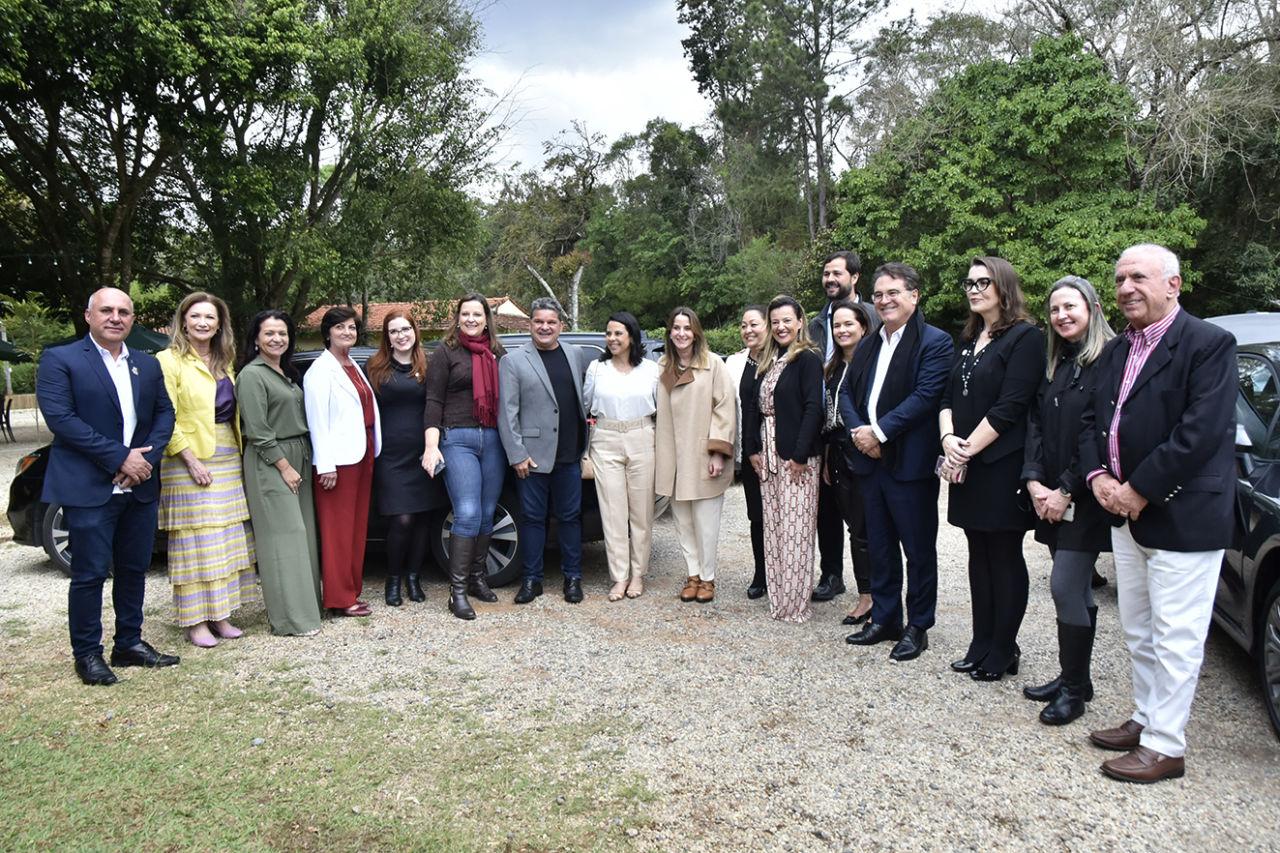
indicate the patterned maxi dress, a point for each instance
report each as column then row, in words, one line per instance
column 790, row 518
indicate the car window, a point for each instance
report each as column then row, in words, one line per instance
column 1257, row 405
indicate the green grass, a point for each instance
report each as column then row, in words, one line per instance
column 166, row 760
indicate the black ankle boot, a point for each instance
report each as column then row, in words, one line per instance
column 392, row 594
column 478, row 577
column 459, row 566
column 414, row 587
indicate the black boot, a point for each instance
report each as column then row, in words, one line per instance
column 414, row 587
column 1045, row 692
column 478, row 578
column 392, row 594
column 460, row 549
column 1075, row 644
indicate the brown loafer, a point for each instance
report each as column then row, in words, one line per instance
column 1122, row 738
column 706, row 592
column 1144, row 766
column 691, row 586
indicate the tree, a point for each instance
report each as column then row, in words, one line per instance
column 1026, row 160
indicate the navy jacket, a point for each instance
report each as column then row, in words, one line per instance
column 1177, row 434
column 81, row 406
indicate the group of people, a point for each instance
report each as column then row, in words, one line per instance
column 839, row 426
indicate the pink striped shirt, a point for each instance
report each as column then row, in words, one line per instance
column 1142, row 342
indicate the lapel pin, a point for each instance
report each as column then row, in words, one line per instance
column 135, row 370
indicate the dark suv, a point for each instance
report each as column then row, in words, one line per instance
column 37, row 523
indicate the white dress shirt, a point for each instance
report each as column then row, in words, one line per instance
column 621, row 396
column 890, row 343
column 118, row 370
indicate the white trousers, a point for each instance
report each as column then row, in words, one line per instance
column 698, row 526
column 623, row 460
column 1166, row 602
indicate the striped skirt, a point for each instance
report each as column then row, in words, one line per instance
column 210, row 542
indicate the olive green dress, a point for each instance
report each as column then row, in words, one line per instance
column 273, row 423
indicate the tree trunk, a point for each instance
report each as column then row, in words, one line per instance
column 573, row 299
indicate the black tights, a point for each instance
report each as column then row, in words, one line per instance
column 406, row 543
column 998, row 588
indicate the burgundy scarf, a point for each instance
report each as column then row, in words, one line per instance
column 484, row 378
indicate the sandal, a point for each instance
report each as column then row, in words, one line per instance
column 635, row 589
column 617, row 591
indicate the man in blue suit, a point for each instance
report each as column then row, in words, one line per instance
column 889, row 403
column 111, row 419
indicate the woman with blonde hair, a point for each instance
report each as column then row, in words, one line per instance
column 694, row 435
column 782, row 437
column 402, row 490
column 202, row 499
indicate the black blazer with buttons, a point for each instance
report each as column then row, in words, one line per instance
column 798, row 407
column 1176, row 432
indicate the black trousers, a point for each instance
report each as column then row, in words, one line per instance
column 830, row 532
column 998, row 589
column 849, row 500
column 755, row 515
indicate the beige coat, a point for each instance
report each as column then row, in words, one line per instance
column 696, row 417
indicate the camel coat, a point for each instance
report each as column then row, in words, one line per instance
column 697, row 416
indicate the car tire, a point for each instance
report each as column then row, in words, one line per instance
column 504, row 546
column 56, row 538
column 1268, row 635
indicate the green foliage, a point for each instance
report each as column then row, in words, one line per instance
column 724, row 340
column 759, row 272
column 30, row 325
column 1024, row 160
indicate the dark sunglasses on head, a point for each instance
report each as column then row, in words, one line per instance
column 975, row 285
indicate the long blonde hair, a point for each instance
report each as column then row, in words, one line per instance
column 1095, row 337
column 799, row 345
column 222, row 348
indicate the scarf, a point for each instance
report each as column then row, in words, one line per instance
column 484, row 378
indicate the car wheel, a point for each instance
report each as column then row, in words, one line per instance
column 56, row 539
column 504, row 544
column 1269, row 654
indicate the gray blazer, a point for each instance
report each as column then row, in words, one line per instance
column 528, row 419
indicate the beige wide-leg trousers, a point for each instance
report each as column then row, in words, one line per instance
column 623, row 458
column 698, row 526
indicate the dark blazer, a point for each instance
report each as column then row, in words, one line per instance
column 910, row 425
column 798, row 411
column 1177, row 434
column 1052, row 455
column 81, row 406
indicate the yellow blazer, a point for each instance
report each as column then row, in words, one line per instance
column 192, row 390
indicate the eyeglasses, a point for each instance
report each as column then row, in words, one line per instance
column 881, row 296
column 395, row 333
column 975, row 285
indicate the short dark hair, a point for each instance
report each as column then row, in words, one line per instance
column 632, row 325
column 250, row 351
column 335, row 315
column 895, row 269
column 852, row 262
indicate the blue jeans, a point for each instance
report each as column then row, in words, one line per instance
column 115, row 538
column 475, row 467
column 562, row 488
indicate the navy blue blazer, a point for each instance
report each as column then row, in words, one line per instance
column 1177, row 434
column 911, row 426
column 81, row 406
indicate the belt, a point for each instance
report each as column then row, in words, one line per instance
column 624, row 426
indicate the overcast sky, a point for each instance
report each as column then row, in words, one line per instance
column 613, row 64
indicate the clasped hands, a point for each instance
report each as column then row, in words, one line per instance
column 1118, row 498
column 956, row 455
column 134, row 470
column 864, row 438
column 1049, row 504
column 794, row 469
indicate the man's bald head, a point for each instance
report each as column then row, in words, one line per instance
column 110, row 317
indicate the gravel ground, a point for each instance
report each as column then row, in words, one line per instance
column 759, row 735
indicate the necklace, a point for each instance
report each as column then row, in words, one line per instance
column 967, row 367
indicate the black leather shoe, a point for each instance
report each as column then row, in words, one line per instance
column 529, row 590
column 92, row 669
column 142, row 655
column 872, row 633
column 828, row 588
column 754, row 592
column 963, row 665
column 414, row 587
column 1067, row 705
column 914, row 641
column 981, row 674
column 573, row 590
column 850, row 619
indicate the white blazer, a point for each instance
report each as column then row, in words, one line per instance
column 335, row 417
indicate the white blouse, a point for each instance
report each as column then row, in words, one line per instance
column 621, row 396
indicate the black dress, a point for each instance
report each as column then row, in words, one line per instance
column 1001, row 382
column 1053, row 457
column 400, row 485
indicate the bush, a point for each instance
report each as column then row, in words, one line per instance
column 23, row 377
column 724, row 340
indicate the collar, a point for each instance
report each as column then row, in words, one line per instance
column 1153, row 333
column 890, row 338
column 106, row 353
